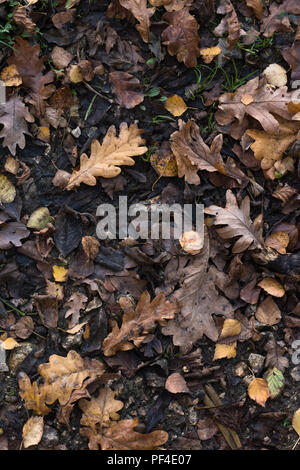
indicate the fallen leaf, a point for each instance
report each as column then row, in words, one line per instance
column 14, row 118
column 257, row 7
column 24, row 327
column 192, row 154
column 272, row 286
column 9, row 344
column 175, row 383
column 47, row 307
column 296, row 421
column 75, row 303
column 100, row 410
column 265, row 102
column 33, row 431
column 258, row 391
column 21, row 16
column 139, row 10
column 63, row 375
column 60, row 273
column 7, row 190
column 163, row 161
column 238, row 223
column 225, row 351
column 40, row 218
column 10, row 76
column 175, row 105
column 33, row 394
column 127, row 88
column 278, row 240
column 275, row 356
column 268, row 312
column 121, row 436
column 209, row 53
column 181, row 37
column 275, row 381
column 11, row 234
column 106, row 158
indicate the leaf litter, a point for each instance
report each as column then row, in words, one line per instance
column 154, row 343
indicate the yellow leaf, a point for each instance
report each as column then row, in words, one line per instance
column 272, row 286
column 33, row 431
column 209, row 53
column 60, row 273
column 9, row 343
column 7, row 190
column 191, row 242
column 279, row 241
column 10, row 76
column 225, row 351
column 175, row 105
column 230, row 328
column 258, row 391
column 44, row 134
column 296, row 421
column 164, row 164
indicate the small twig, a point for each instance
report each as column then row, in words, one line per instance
column 97, row 92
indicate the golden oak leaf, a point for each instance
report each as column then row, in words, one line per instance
column 122, row 436
column 139, row 322
column 33, row 431
column 106, row 158
column 269, row 147
column 258, row 391
column 33, row 394
column 63, row 375
column 100, row 410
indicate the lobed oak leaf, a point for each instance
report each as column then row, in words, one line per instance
column 14, row 116
column 192, row 154
column 122, row 436
column 106, row 158
column 263, row 104
column 258, row 391
column 238, row 223
column 33, row 394
column 278, row 19
column 181, row 37
column 11, row 234
column 30, row 66
column 127, row 88
column 139, row 10
column 100, row 410
column 138, row 323
column 63, row 375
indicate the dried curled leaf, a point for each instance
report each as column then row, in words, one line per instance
column 238, row 223
column 106, row 158
column 63, row 375
column 138, row 323
column 122, row 436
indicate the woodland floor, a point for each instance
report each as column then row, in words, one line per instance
column 26, row 268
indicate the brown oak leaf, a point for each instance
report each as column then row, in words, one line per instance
column 238, row 223
column 181, row 37
column 127, row 88
column 192, row 154
column 30, row 66
column 100, row 410
column 122, row 436
column 33, row 394
column 14, row 116
column 139, row 10
column 138, row 323
column 257, row 100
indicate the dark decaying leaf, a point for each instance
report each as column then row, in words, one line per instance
column 68, row 231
